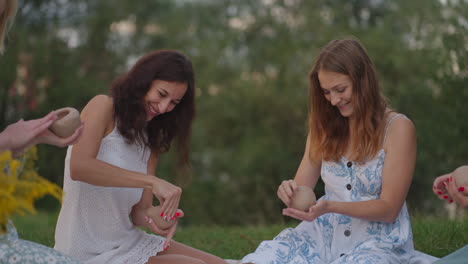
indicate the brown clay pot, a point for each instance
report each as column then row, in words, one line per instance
column 66, row 124
column 461, row 178
column 155, row 213
column 303, row 198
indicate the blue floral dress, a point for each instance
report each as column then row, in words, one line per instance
column 336, row 238
column 18, row 251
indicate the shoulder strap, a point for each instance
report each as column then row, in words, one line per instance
column 390, row 123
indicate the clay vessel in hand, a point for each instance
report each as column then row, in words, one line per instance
column 303, row 198
column 461, row 178
column 67, row 122
column 155, row 213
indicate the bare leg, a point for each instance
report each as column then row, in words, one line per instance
column 173, row 259
column 180, row 249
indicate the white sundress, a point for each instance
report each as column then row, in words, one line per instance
column 94, row 224
column 336, row 238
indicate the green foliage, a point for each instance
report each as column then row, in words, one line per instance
column 251, row 60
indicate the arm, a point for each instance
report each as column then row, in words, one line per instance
column 139, row 210
column 397, row 174
column 21, row 135
column 138, row 213
column 307, row 174
column 85, row 167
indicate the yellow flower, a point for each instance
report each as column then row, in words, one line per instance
column 21, row 185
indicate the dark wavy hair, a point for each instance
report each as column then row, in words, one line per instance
column 129, row 90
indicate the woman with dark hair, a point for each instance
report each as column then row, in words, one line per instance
column 365, row 153
column 109, row 175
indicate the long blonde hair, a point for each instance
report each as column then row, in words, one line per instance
column 329, row 130
column 6, row 19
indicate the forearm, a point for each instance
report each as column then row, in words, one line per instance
column 373, row 210
column 96, row 172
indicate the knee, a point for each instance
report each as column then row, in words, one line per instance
column 198, row 261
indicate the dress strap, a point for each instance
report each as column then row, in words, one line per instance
column 390, row 123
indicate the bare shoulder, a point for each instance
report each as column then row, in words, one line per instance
column 400, row 131
column 99, row 111
column 100, row 102
column 99, row 105
column 401, row 124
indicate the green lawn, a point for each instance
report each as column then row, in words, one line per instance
column 437, row 237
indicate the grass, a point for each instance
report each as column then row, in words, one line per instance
column 434, row 236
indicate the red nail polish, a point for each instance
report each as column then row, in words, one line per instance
column 162, row 214
column 461, row 189
column 451, row 201
column 172, row 218
column 165, row 248
column 445, row 197
column 439, row 192
column 177, row 214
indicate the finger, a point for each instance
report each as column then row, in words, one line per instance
column 445, row 197
column 294, row 185
column 171, row 210
column 287, row 189
column 291, row 212
column 180, row 213
column 282, row 195
column 168, row 203
column 438, row 191
column 169, row 236
column 43, row 126
column 457, row 189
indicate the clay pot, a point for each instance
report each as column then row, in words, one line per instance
column 461, row 177
column 155, row 213
column 303, row 198
column 66, row 124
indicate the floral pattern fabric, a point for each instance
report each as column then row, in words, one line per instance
column 18, row 251
column 340, row 239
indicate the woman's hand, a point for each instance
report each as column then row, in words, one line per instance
column 168, row 233
column 286, row 190
column 315, row 211
column 47, row 137
column 457, row 193
column 440, row 187
column 168, row 196
column 20, row 135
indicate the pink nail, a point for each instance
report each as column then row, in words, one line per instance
column 172, row 218
column 177, row 214
column 461, row 189
column 162, row 214
column 146, row 218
